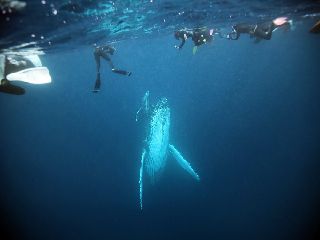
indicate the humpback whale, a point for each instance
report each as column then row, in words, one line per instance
column 157, row 146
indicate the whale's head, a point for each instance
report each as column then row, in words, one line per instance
column 161, row 104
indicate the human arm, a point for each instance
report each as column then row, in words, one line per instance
column 181, row 44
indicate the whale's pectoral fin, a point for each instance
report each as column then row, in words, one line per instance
column 184, row 163
column 137, row 114
column 144, row 106
column 141, row 175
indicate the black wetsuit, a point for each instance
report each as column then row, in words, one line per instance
column 199, row 36
column 260, row 31
column 183, row 35
column 104, row 51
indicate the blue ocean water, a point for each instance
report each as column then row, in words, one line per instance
column 245, row 115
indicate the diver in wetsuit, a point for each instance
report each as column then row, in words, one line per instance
column 259, row 31
column 104, row 51
column 199, row 36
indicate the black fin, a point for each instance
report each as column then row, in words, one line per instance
column 122, row 72
column 97, row 84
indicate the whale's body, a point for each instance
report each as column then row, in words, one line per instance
column 157, row 148
column 158, row 139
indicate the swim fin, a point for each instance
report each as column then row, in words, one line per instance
column 122, row 72
column 36, row 75
column 97, row 84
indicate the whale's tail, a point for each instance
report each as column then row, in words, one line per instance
column 184, row 163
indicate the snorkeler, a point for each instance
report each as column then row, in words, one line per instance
column 199, row 36
column 27, row 69
column 104, row 51
column 259, row 31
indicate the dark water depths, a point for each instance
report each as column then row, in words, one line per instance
column 245, row 115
